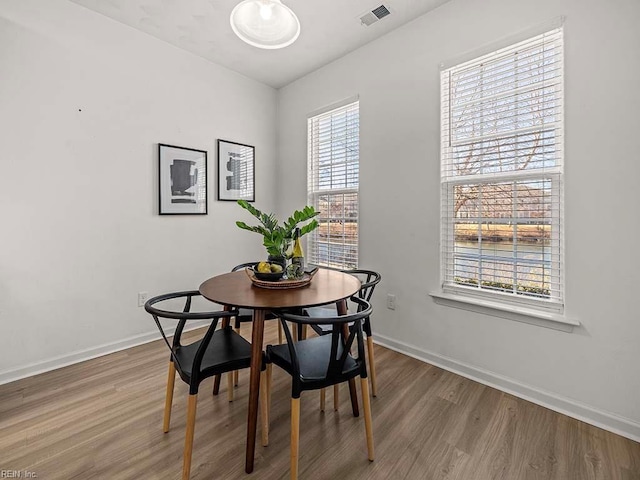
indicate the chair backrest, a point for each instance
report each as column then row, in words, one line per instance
column 243, row 265
column 340, row 346
column 183, row 317
column 369, row 279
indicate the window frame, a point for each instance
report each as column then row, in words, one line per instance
column 455, row 294
column 315, row 193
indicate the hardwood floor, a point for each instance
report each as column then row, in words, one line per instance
column 102, row 419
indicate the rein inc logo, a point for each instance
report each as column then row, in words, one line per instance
column 17, row 474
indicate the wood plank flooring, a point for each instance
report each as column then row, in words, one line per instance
column 102, row 419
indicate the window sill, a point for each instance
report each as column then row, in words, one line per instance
column 518, row 313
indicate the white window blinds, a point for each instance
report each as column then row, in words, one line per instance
column 333, row 179
column 501, row 173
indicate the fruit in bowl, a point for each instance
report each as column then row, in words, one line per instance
column 271, row 272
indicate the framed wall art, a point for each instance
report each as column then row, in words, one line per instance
column 236, row 171
column 183, row 180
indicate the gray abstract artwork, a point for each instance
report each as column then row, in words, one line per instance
column 184, row 177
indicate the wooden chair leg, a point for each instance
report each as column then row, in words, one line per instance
column 264, row 407
column 188, row 441
column 295, row 436
column 336, row 396
column 372, row 367
column 171, row 380
column 216, row 379
column 236, row 374
column 230, row 379
column 322, row 399
column 279, row 331
column 269, row 376
column 368, row 425
column 353, row 394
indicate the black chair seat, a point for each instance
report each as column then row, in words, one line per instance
column 313, row 362
column 226, row 351
column 245, row 315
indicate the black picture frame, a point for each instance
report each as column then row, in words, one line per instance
column 236, row 171
column 182, row 180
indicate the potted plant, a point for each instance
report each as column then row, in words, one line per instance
column 278, row 239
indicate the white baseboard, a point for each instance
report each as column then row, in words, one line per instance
column 586, row 413
column 54, row 363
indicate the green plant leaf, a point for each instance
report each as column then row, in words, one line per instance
column 256, row 229
column 277, row 238
column 309, row 227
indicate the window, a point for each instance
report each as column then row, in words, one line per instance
column 502, row 174
column 333, row 169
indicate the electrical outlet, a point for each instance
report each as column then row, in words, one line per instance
column 391, row 301
column 142, row 298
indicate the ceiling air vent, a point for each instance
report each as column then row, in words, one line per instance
column 374, row 15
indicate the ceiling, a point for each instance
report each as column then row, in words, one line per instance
column 329, row 30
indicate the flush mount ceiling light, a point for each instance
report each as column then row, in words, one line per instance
column 265, row 23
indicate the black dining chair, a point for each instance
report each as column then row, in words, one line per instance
column 319, row 362
column 369, row 279
column 218, row 351
column 245, row 315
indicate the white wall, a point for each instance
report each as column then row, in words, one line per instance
column 592, row 373
column 84, row 101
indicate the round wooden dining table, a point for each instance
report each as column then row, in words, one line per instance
column 236, row 289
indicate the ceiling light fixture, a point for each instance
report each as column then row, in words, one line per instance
column 265, row 23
